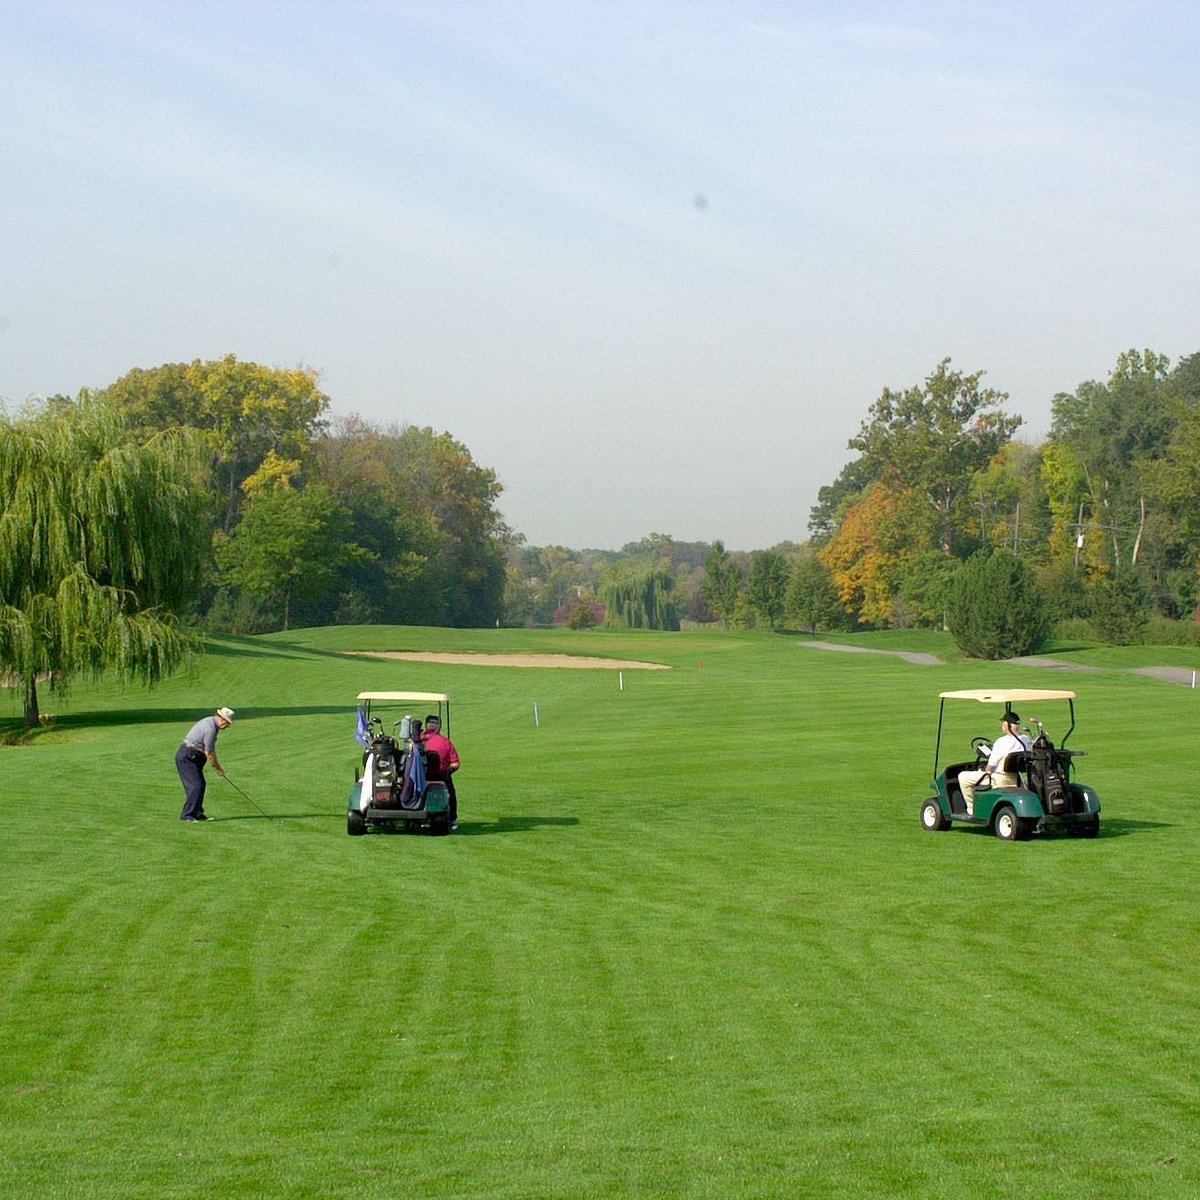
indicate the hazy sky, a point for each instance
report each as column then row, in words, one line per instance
column 650, row 262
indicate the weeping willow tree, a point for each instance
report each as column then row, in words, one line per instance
column 639, row 597
column 101, row 540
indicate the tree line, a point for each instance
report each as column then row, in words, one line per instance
column 943, row 519
column 219, row 495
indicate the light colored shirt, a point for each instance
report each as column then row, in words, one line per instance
column 1006, row 744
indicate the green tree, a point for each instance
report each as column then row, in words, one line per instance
column 812, row 600
column 722, row 585
column 767, row 587
column 924, row 588
column 427, row 511
column 932, row 440
column 995, row 608
column 1114, row 432
column 101, row 540
column 1120, row 607
column 1173, row 479
column 289, row 546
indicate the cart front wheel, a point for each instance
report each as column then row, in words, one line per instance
column 932, row 817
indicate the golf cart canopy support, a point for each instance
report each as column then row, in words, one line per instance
column 417, row 699
column 1007, row 697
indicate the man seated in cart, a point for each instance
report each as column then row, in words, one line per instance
column 1010, row 741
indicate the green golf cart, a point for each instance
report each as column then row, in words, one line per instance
column 1046, row 795
column 399, row 786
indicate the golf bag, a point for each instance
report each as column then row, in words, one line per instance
column 1045, row 776
column 383, row 778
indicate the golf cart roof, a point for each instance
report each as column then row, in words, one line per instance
column 1006, row 695
column 424, row 697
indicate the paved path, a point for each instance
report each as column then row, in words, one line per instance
column 912, row 656
column 1184, row 675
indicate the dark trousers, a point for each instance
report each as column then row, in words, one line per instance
column 190, row 765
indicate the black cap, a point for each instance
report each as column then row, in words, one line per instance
column 434, row 721
column 1011, row 718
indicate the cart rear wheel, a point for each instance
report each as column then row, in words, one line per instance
column 1010, row 827
column 932, row 817
column 356, row 823
column 1085, row 829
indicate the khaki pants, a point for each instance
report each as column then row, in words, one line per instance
column 970, row 780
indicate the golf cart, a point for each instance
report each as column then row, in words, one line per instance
column 1045, row 795
column 400, row 786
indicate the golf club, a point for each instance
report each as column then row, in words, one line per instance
column 245, row 797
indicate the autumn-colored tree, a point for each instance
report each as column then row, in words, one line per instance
column 244, row 411
column 866, row 554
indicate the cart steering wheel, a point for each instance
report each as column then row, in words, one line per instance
column 982, row 747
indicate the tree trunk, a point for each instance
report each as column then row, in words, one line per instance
column 31, row 701
column 1137, row 542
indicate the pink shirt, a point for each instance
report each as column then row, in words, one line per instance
column 444, row 747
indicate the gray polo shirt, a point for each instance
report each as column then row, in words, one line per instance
column 203, row 736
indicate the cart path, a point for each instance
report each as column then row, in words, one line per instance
column 579, row 662
column 912, row 656
column 1036, row 660
column 1188, row 676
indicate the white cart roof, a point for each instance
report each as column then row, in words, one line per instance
column 1006, row 695
column 424, row 697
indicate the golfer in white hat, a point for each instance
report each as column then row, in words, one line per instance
column 200, row 747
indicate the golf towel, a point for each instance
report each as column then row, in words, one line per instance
column 416, row 770
column 361, row 733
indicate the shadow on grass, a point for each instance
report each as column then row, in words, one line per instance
column 181, row 716
column 509, row 825
column 271, row 816
column 233, row 646
column 465, row 828
column 1114, row 828
column 1118, row 827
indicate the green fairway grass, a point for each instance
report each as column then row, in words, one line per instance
column 688, row 941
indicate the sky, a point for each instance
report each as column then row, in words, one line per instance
column 649, row 262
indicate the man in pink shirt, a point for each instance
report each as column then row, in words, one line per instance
column 437, row 741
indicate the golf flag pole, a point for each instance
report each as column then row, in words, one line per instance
column 621, row 680
column 536, row 722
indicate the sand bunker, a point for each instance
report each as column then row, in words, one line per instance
column 577, row 662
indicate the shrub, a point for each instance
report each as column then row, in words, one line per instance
column 585, row 614
column 995, row 608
